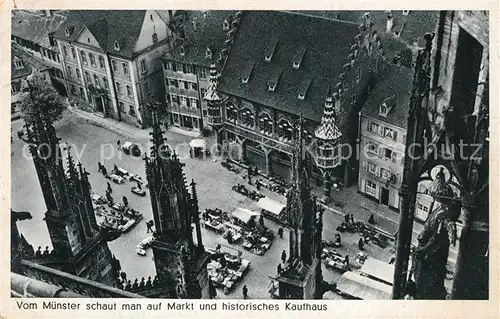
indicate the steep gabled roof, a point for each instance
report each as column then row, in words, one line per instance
column 326, row 43
column 398, row 82
column 202, row 30
column 34, row 27
column 107, row 26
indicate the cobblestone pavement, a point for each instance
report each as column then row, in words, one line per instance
column 87, row 133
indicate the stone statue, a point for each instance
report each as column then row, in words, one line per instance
column 431, row 255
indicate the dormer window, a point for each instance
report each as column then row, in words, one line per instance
column 18, row 63
column 383, row 110
column 247, row 72
column 182, row 50
column 116, row 46
column 269, row 51
column 387, row 105
column 297, row 58
column 303, row 88
column 225, row 25
column 208, row 53
column 155, row 37
column 273, row 80
column 68, row 31
column 406, row 12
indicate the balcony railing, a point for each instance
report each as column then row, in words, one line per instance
column 266, row 141
column 79, row 285
column 177, row 108
column 328, row 162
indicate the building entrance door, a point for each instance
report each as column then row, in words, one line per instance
column 99, row 106
column 384, row 197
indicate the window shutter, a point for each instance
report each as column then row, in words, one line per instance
column 368, row 126
column 394, row 157
column 395, row 136
column 365, row 166
column 378, row 171
column 380, row 151
column 381, row 131
column 362, row 186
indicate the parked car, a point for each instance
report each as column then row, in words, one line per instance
column 140, row 251
column 138, row 191
column 131, row 148
column 117, row 179
column 146, row 242
column 136, row 178
column 124, row 228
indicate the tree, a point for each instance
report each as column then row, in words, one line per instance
column 41, row 100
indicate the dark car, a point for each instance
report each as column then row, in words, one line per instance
column 131, row 148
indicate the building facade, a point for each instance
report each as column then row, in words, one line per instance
column 267, row 83
column 186, row 66
column 110, row 61
column 23, row 65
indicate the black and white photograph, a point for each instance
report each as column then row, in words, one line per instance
column 249, row 154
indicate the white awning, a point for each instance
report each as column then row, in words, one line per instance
column 364, row 288
column 378, row 270
column 197, row 143
column 244, row 215
column 270, row 205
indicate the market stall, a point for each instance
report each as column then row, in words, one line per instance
column 245, row 217
column 272, row 210
column 198, row 147
column 360, row 287
column 227, row 270
column 232, row 233
column 378, row 270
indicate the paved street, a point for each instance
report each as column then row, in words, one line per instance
column 214, row 191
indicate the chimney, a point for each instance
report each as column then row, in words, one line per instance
column 390, row 23
column 48, row 13
column 194, row 23
column 170, row 15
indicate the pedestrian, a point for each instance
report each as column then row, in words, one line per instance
column 346, row 218
column 125, row 201
column 249, row 173
column 109, row 188
column 352, row 218
column 361, row 244
column 149, row 226
column 119, row 144
column 371, row 219
column 346, row 260
column 280, row 232
column 217, row 249
column 99, row 167
column 245, row 292
column 279, row 269
column 283, row 256
column 257, row 184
